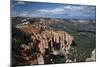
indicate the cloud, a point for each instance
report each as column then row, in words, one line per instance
column 69, row 9
column 53, row 11
column 74, row 7
column 60, row 11
column 20, row 2
column 24, row 14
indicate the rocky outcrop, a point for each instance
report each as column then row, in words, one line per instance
column 33, row 46
column 57, row 40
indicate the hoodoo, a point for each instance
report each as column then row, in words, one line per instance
column 37, row 47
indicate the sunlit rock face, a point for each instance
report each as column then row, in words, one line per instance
column 53, row 40
column 33, row 46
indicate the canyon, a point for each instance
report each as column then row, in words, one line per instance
column 46, row 41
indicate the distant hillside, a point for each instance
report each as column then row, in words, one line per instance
column 63, row 24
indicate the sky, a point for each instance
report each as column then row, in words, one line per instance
column 52, row 10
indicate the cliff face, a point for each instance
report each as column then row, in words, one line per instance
column 33, row 46
column 56, row 40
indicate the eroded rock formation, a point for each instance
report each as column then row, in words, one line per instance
column 33, row 46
